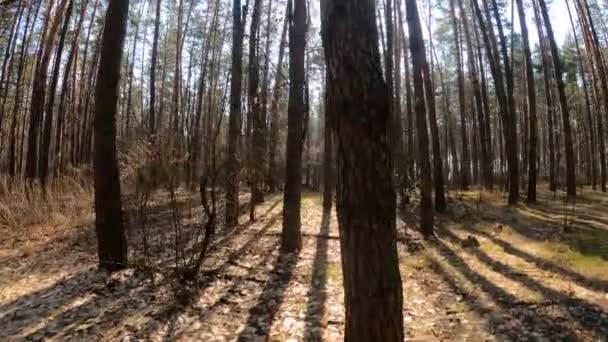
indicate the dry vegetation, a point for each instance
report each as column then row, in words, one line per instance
column 536, row 273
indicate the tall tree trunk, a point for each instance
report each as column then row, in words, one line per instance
column 419, row 62
column 176, row 137
column 274, row 108
column 429, row 91
column 61, row 111
column 533, row 130
column 39, row 87
column 112, row 244
column 153, row 62
column 131, row 76
column 400, row 156
column 195, row 151
column 602, row 74
column 409, row 115
column 504, row 108
column 372, row 283
column 557, row 69
column 234, row 119
column 18, row 90
column 45, row 146
column 256, row 166
column 264, row 174
column 290, row 238
column 592, row 148
column 328, row 147
column 484, row 143
column 465, row 166
column 546, row 63
column 8, row 53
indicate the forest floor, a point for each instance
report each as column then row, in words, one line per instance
column 494, row 273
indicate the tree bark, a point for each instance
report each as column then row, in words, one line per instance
column 256, row 148
column 45, row 147
column 557, row 69
column 290, row 239
column 39, row 88
column 234, row 119
column 533, row 130
column 112, row 244
column 365, row 194
column 465, row 166
column 153, row 63
column 274, row 109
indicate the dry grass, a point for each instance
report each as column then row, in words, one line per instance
column 24, row 205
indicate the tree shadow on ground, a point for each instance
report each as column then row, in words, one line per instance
column 504, row 310
column 317, row 295
column 540, row 222
column 263, row 313
column 88, row 303
column 575, row 313
column 211, row 272
column 591, row 283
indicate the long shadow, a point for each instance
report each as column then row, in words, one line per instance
column 263, row 313
column 28, row 311
column 586, row 239
column 317, row 295
column 233, row 290
column 82, row 305
column 587, row 315
column 506, row 301
column 174, row 309
column 588, row 282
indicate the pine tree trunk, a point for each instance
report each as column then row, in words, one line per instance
column 504, row 108
column 410, row 153
column 112, row 244
column 557, row 69
column 39, row 88
column 602, row 73
column 274, row 109
column 263, row 172
column 592, row 141
column 291, row 240
column 418, row 62
column 365, row 193
column 234, row 119
column 328, row 147
column 256, row 148
column 22, row 68
column 484, row 137
column 153, row 63
column 465, row 166
column 45, row 146
column 533, row 130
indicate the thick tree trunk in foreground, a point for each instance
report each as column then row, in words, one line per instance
column 112, row 244
column 290, row 239
column 365, row 194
